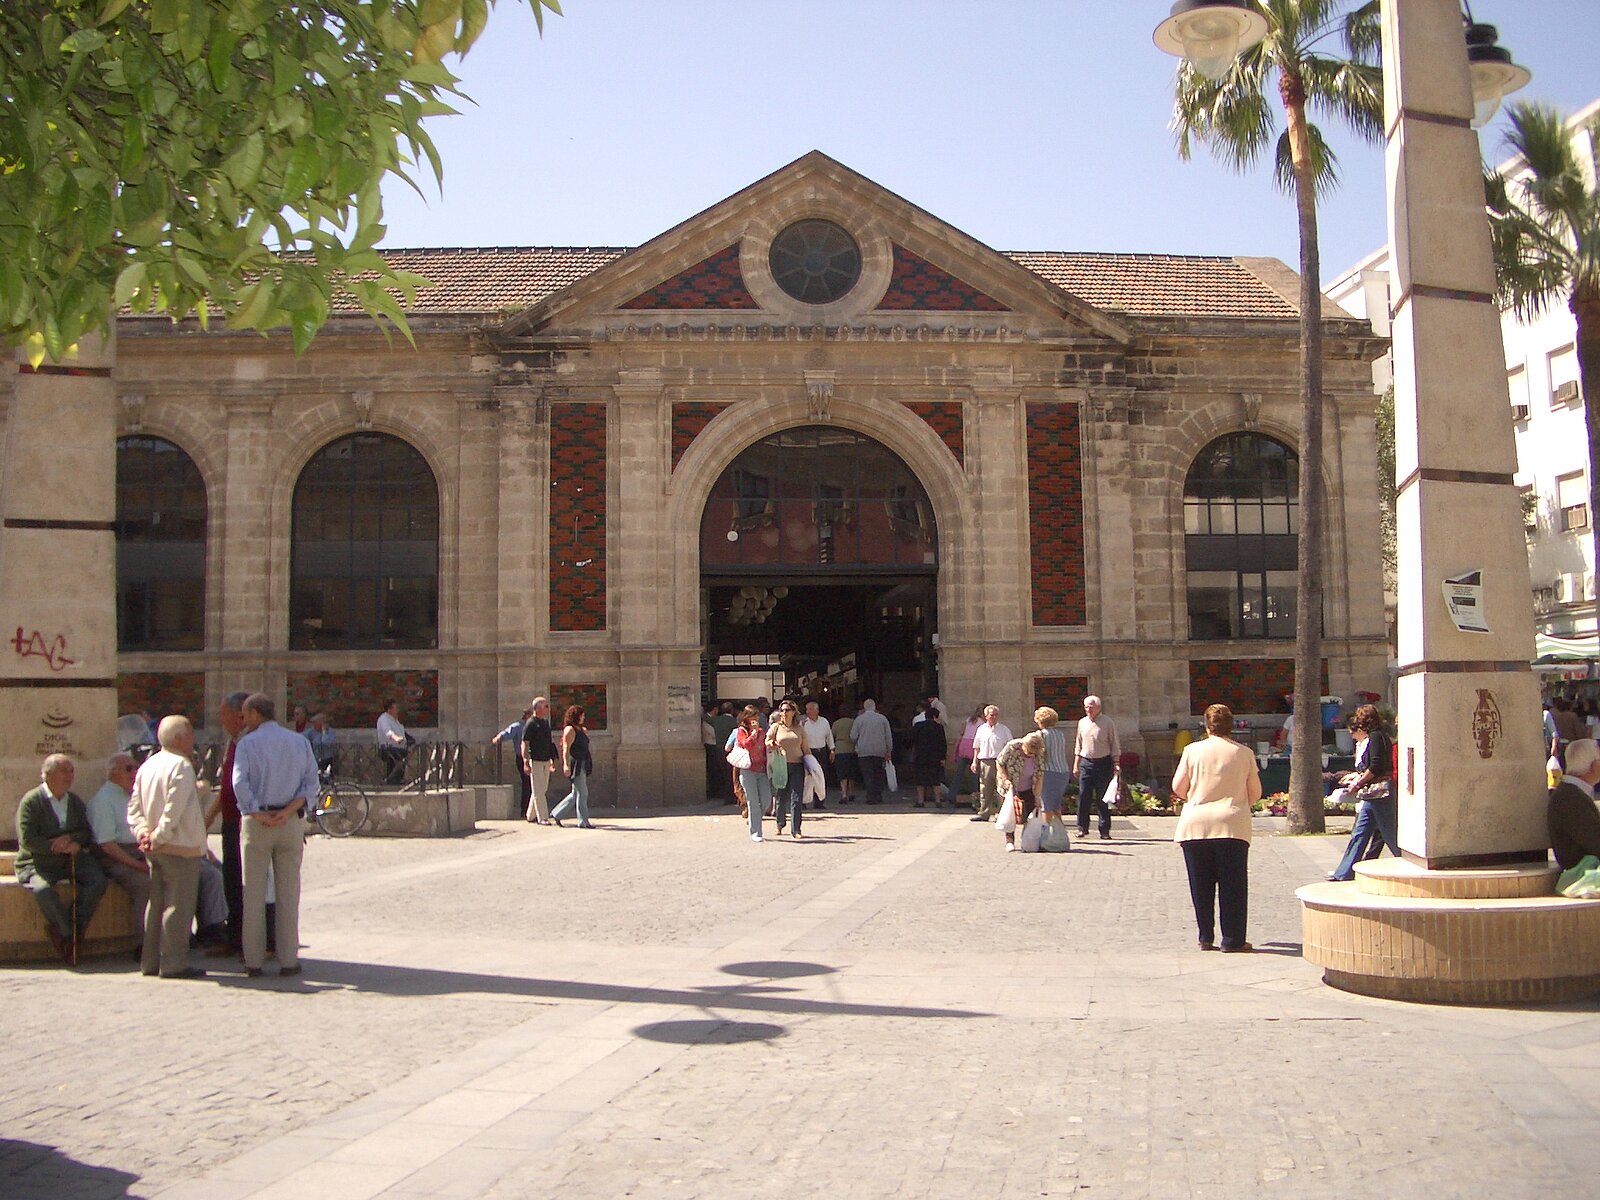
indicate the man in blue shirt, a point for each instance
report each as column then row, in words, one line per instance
column 274, row 778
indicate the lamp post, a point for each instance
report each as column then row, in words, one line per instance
column 1469, row 912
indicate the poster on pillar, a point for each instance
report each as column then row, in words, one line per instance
column 1463, row 596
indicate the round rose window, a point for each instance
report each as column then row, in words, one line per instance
column 814, row 261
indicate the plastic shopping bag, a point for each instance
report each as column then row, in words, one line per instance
column 1006, row 819
column 1110, row 797
column 1583, row 881
column 777, row 770
column 1032, row 834
column 891, row 781
column 1055, row 839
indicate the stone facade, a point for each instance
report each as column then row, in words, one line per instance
column 575, row 445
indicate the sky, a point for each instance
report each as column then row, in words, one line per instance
column 1028, row 124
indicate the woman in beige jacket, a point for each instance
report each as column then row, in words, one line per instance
column 1218, row 780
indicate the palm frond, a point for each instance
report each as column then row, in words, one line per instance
column 1234, row 119
column 1363, row 34
column 1351, row 92
column 1324, row 164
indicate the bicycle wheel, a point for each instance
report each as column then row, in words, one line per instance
column 342, row 808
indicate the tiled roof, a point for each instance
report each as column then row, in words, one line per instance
column 1169, row 285
column 495, row 279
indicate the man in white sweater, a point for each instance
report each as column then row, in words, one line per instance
column 167, row 816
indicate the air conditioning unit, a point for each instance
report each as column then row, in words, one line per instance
column 1588, row 587
column 1566, row 588
column 1519, row 412
column 1567, row 392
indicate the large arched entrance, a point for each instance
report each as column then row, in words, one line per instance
column 819, row 558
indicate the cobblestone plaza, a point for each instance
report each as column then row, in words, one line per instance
column 892, row 1007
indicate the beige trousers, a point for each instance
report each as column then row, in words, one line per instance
column 539, row 779
column 280, row 849
column 174, row 886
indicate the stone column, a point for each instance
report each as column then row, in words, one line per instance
column 524, row 494
column 1471, row 767
column 243, row 522
column 480, row 532
column 998, row 443
column 659, row 759
column 58, row 572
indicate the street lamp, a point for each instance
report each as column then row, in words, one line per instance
column 1211, row 33
column 1494, row 75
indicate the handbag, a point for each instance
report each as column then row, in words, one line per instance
column 739, row 758
column 1055, row 839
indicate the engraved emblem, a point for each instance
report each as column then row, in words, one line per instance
column 1486, row 723
column 55, row 720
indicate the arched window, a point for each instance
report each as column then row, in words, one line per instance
column 161, row 547
column 364, row 570
column 1240, row 520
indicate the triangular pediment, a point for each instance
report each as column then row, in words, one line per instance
column 913, row 268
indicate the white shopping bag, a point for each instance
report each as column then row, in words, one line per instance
column 1110, row 797
column 1032, row 834
column 890, row 779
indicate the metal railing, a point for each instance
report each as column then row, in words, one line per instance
column 428, row 765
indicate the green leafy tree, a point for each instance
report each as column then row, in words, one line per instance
column 1544, row 221
column 212, row 157
column 1237, row 120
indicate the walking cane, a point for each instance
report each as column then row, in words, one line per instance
column 72, row 860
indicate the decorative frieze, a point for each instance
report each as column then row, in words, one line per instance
column 1246, row 685
column 591, row 697
column 1055, row 514
column 946, row 418
column 163, row 693
column 577, row 517
column 353, row 699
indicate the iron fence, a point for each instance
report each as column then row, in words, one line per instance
column 432, row 764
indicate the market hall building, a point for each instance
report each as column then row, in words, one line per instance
column 813, row 435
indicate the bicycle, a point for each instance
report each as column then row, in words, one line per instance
column 342, row 806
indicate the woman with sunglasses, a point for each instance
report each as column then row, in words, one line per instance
column 788, row 739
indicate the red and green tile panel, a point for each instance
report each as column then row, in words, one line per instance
column 353, row 699
column 689, row 417
column 716, row 282
column 1064, row 693
column 577, row 516
column 916, row 284
column 1246, row 685
column 1055, row 514
column 945, row 418
column 591, row 697
column 164, row 693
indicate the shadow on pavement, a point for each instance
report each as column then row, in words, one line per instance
column 711, row 1032
column 326, row 974
column 778, row 969
column 34, row 1172
column 1287, row 949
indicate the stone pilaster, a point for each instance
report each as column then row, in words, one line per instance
column 1470, row 780
column 521, row 565
column 241, row 518
column 58, row 634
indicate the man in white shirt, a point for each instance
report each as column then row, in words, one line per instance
column 392, row 742
column 1094, row 759
column 987, row 743
column 819, row 737
column 167, row 817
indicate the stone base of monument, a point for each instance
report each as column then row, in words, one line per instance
column 1490, row 936
column 442, row 813
column 499, row 802
column 22, row 929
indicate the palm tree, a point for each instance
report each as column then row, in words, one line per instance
column 1237, row 121
column 1545, row 223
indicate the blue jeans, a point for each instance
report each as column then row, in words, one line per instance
column 1375, row 828
column 757, row 792
column 1094, row 777
column 577, row 798
column 792, row 798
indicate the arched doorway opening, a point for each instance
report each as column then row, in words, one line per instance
column 819, row 558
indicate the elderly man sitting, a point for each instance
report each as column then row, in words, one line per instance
column 118, row 849
column 52, row 835
column 1574, row 820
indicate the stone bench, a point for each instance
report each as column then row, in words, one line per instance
column 443, row 813
column 23, row 937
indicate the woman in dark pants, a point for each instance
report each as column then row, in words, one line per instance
column 1218, row 780
column 788, row 739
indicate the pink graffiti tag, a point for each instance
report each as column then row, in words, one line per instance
column 33, row 645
